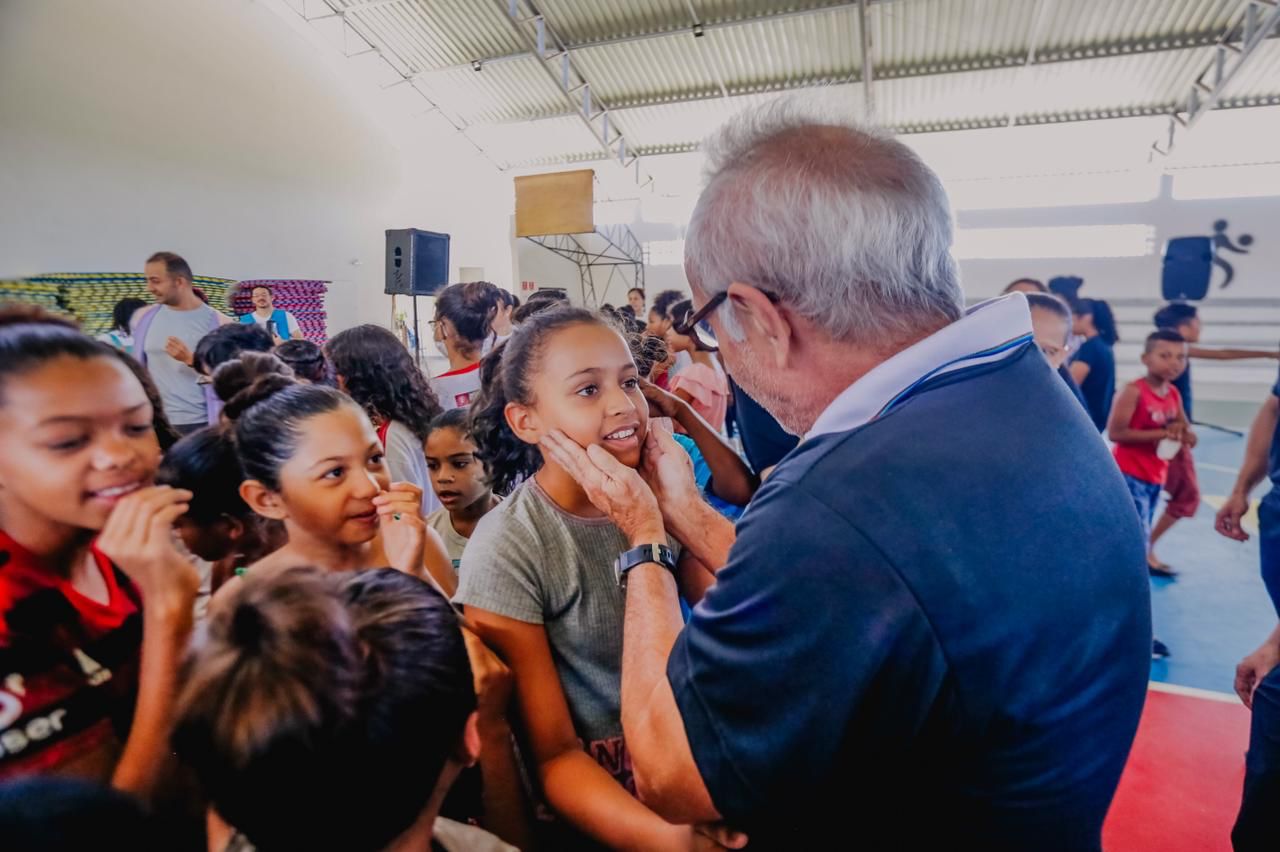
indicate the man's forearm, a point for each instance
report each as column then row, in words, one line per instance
column 650, row 629
column 703, row 531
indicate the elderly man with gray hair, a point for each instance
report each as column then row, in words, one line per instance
column 932, row 623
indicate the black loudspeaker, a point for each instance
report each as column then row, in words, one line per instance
column 417, row 262
column 1188, row 262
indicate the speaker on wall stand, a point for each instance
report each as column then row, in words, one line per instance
column 417, row 264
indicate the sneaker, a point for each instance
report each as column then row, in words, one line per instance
column 1159, row 569
column 1159, row 650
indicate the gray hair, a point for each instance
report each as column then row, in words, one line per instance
column 846, row 225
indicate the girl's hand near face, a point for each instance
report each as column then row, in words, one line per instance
column 138, row 537
column 407, row 542
column 401, row 526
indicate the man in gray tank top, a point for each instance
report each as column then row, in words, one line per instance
column 166, row 334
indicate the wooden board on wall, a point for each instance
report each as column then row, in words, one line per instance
column 557, row 203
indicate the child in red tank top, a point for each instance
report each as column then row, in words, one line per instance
column 1149, row 427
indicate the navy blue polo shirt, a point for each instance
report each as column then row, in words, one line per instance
column 935, row 623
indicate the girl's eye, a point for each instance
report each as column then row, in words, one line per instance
column 377, row 460
column 69, row 444
column 139, row 430
column 433, row 465
column 631, row 384
column 335, row 473
column 587, row 391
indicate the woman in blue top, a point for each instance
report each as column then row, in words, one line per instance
column 1094, row 366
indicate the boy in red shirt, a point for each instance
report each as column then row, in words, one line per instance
column 1149, row 427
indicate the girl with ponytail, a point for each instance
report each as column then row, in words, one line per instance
column 312, row 461
column 1094, row 365
column 537, row 576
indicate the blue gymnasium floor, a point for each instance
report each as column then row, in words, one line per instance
column 1217, row 610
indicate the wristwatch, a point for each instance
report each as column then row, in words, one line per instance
column 659, row 553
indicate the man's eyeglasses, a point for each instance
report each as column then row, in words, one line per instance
column 695, row 325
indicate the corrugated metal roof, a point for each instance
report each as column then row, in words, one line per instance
column 1100, row 21
column 939, row 64
column 433, row 33
column 580, row 21
column 1261, row 77
column 504, row 91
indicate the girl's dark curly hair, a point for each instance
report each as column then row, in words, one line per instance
column 648, row 352
column 506, row 375
column 379, row 374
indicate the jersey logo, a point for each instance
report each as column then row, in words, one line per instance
column 94, row 672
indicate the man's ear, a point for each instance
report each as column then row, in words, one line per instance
column 764, row 322
column 263, row 500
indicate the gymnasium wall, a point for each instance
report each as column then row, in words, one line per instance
column 216, row 129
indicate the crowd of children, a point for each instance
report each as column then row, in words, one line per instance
column 318, row 531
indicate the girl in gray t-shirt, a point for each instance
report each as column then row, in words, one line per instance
column 538, row 578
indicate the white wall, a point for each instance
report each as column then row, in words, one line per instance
column 666, row 277
column 217, row 129
column 1097, row 174
column 1137, row 277
column 546, row 269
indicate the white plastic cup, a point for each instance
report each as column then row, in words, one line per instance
column 1168, row 448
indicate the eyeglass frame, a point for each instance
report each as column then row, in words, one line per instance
column 691, row 322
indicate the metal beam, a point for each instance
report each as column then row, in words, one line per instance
column 698, row 26
column 546, row 45
column 982, row 123
column 1032, row 44
column 366, row 5
column 372, row 46
column 698, row 30
column 617, row 238
column 989, row 62
column 1260, row 21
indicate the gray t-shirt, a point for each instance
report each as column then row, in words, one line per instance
column 184, row 400
column 531, row 561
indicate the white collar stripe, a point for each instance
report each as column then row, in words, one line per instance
column 998, row 353
column 988, row 332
